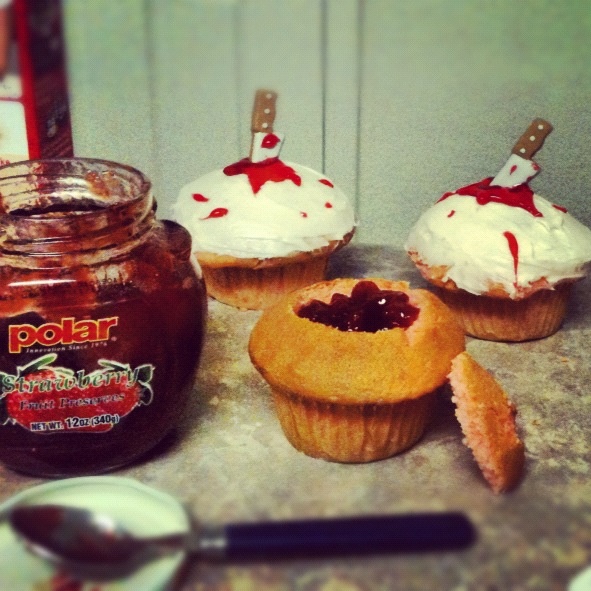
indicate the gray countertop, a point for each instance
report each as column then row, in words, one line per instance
column 231, row 462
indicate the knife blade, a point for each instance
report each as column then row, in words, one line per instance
column 520, row 167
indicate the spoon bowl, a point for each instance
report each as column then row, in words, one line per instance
column 140, row 509
column 87, row 544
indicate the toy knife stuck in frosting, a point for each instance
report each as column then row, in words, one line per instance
column 265, row 143
column 520, row 167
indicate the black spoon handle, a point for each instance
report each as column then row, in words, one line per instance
column 421, row 532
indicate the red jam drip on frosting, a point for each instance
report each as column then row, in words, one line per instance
column 519, row 196
column 513, row 249
column 218, row 212
column 270, row 141
column 327, row 183
column 560, row 208
column 367, row 309
column 259, row 173
column 200, row 198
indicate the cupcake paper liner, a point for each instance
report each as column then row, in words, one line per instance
column 351, row 433
column 504, row 319
column 259, row 288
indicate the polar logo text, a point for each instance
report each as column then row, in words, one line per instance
column 69, row 331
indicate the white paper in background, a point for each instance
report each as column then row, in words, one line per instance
column 13, row 132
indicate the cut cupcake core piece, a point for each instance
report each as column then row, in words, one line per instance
column 487, row 418
column 367, row 309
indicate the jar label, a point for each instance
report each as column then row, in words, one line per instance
column 45, row 398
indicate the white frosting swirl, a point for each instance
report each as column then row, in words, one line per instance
column 474, row 244
column 226, row 216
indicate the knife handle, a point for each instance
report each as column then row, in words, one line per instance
column 532, row 139
column 420, row 532
column 263, row 111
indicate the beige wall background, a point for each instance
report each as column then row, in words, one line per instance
column 397, row 100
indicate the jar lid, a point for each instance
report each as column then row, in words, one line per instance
column 140, row 509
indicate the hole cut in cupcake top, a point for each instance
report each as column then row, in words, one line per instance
column 367, row 309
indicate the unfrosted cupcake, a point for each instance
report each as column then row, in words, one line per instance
column 354, row 365
column 503, row 258
column 262, row 227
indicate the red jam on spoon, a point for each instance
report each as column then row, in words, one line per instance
column 367, row 309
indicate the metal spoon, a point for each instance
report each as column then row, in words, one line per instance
column 95, row 547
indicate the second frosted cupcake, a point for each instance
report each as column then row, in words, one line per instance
column 503, row 258
column 262, row 227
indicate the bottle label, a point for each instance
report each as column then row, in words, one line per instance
column 43, row 397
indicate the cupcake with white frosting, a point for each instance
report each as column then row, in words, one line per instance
column 262, row 227
column 503, row 258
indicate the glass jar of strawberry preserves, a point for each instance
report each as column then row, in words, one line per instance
column 102, row 313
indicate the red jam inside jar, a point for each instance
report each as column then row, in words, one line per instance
column 367, row 309
column 102, row 316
